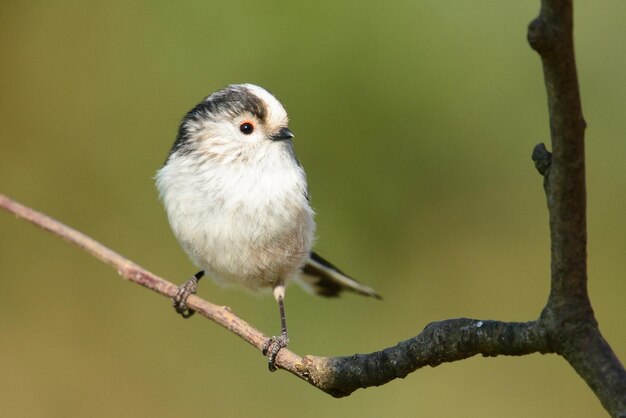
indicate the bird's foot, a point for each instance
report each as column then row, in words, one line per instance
column 271, row 348
column 188, row 288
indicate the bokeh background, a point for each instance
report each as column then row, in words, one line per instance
column 415, row 122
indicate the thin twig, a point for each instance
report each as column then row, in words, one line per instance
column 440, row 342
column 133, row 272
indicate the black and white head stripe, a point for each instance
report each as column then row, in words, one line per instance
column 234, row 100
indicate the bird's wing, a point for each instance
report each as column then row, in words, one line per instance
column 327, row 280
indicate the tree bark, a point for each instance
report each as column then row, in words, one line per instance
column 568, row 315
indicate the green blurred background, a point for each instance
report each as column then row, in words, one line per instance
column 415, row 122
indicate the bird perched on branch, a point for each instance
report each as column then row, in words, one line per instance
column 236, row 198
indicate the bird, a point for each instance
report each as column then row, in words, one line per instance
column 237, row 201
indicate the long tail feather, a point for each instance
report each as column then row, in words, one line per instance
column 327, row 280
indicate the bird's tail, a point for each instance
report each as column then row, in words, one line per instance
column 327, row 280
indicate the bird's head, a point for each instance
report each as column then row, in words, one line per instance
column 239, row 121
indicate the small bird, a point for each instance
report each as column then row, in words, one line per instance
column 236, row 199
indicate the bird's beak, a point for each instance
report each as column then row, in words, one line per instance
column 282, row 134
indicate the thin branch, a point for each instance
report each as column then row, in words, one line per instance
column 568, row 314
column 221, row 315
column 440, row 342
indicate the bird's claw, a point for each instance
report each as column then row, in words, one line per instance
column 188, row 288
column 271, row 348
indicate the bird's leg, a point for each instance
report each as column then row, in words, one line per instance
column 188, row 288
column 274, row 344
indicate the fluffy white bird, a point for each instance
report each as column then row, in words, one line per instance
column 236, row 198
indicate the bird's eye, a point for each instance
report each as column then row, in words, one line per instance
column 246, row 128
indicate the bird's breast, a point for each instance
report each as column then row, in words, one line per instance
column 248, row 224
